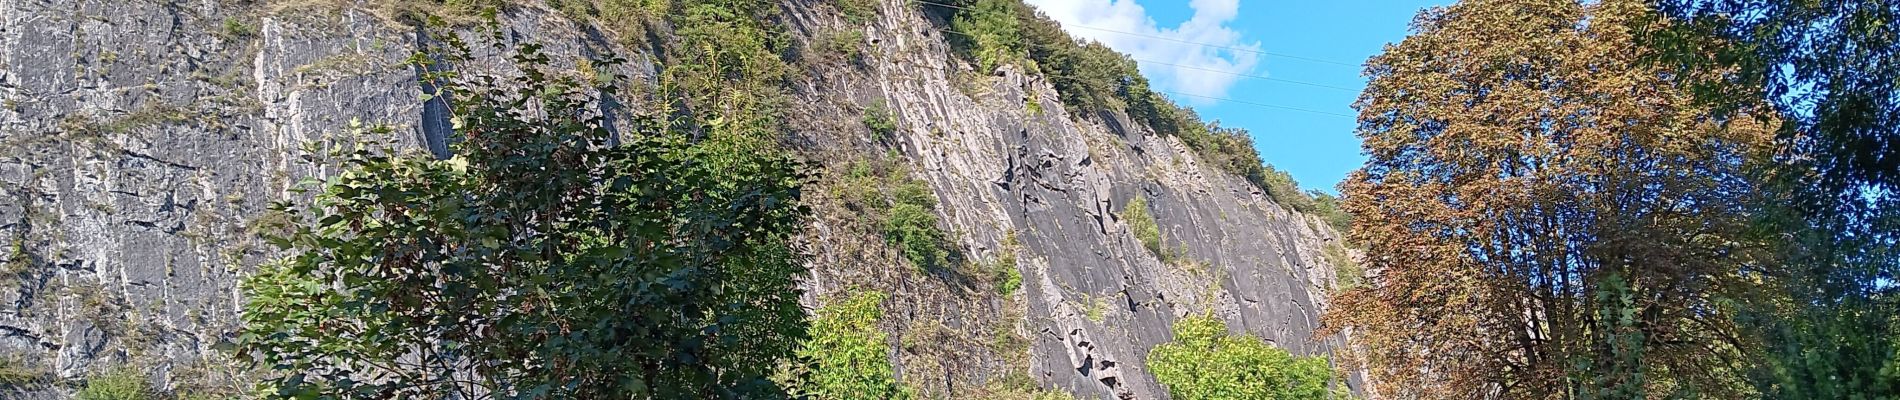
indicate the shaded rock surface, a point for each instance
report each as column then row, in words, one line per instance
column 141, row 141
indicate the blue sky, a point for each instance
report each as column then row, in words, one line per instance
column 1318, row 149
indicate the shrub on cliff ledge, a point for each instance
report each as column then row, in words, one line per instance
column 544, row 261
column 1143, row 225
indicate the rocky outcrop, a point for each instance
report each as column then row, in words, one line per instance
column 141, row 141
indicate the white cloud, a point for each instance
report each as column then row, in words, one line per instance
column 1207, row 25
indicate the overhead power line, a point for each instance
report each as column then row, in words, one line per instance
column 1223, row 47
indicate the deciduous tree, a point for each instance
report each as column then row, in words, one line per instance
column 548, row 259
column 1547, row 216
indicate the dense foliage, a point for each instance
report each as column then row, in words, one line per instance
column 847, row 354
column 1833, row 67
column 1551, row 217
column 904, row 208
column 551, row 258
column 910, row 224
column 1204, row 362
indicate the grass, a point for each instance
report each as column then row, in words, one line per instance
column 847, row 44
column 1034, row 103
column 857, row 12
column 234, row 29
column 18, row 261
column 16, row 371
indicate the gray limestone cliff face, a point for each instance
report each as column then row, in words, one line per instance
column 141, row 142
column 1097, row 300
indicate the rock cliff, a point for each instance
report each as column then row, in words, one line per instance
column 141, row 140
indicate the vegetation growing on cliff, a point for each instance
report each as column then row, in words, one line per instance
column 1142, row 224
column 1204, row 362
column 904, row 208
column 847, row 355
column 122, row 383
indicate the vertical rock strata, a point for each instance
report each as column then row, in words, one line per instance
column 141, row 141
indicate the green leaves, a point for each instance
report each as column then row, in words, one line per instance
column 846, row 357
column 543, row 261
column 1204, row 362
column 1143, row 224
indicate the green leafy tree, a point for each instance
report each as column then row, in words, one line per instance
column 549, row 259
column 847, row 353
column 990, row 32
column 1833, row 68
column 1204, row 362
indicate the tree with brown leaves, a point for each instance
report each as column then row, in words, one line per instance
column 1547, row 216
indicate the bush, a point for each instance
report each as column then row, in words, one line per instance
column 119, row 384
column 1204, row 362
column 904, row 208
column 877, row 117
column 235, row 28
column 911, row 225
column 1327, row 207
column 1143, row 225
column 1008, row 279
column 846, row 356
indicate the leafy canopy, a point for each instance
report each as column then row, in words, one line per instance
column 1833, row 67
column 1550, row 217
column 551, row 258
